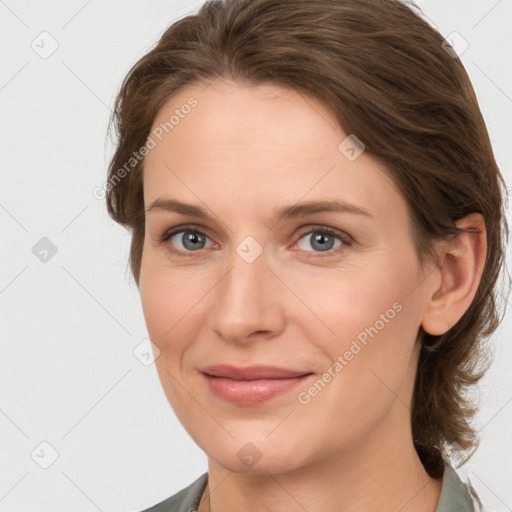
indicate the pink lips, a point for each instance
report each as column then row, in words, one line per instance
column 253, row 384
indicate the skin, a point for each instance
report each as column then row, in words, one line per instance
column 242, row 152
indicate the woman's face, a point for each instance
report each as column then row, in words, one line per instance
column 254, row 280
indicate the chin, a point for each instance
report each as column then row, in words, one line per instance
column 252, row 453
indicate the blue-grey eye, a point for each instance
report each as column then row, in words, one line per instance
column 320, row 241
column 190, row 240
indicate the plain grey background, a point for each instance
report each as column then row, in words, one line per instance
column 84, row 423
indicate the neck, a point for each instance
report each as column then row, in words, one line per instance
column 384, row 469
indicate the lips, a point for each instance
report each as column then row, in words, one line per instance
column 252, row 372
column 251, row 385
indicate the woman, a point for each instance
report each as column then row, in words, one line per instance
column 317, row 233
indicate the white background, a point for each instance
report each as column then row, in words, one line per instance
column 69, row 326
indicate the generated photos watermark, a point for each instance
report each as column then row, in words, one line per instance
column 360, row 342
column 99, row 192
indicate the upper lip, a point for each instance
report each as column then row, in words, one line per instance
column 252, row 372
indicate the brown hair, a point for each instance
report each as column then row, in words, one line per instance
column 386, row 75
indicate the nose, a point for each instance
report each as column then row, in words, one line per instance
column 249, row 302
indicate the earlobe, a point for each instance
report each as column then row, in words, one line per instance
column 462, row 262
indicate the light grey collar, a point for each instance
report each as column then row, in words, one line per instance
column 456, row 495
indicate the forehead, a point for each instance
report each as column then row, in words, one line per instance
column 228, row 114
column 259, row 142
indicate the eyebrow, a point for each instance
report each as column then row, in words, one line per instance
column 287, row 212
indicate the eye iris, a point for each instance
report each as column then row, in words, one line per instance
column 326, row 241
column 192, row 238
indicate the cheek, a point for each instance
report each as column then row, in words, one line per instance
column 175, row 303
column 353, row 299
column 372, row 317
column 165, row 302
column 156, row 305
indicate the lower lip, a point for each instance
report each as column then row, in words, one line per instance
column 251, row 392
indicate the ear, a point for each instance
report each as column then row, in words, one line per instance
column 461, row 264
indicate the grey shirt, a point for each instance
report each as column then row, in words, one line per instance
column 456, row 496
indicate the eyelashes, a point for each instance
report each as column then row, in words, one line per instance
column 323, row 236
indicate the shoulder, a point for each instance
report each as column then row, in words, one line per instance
column 186, row 500
column 456, row 495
